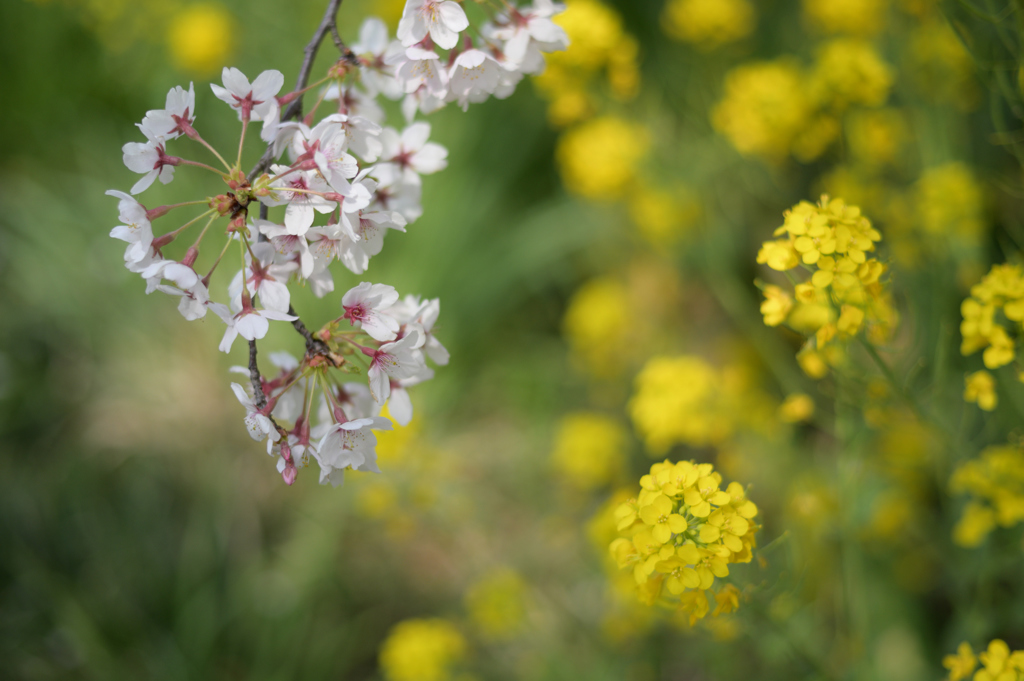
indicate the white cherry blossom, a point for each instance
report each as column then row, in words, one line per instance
column 177, row 116
column 442, row 20
column 411, row 151
column 195, row 300
column 324, row 148
column 372, row 46
column 250, row 323
column 364, row 306
column 183, row 276
column 136, row 229
column 349, row 445
column 394, row 362
column 320, row 281
column 294, row 192
column 417, row 68
column 150, row 159
column 422, row 101
column 292, row 245
column 265, row 277
column 399, row 403
column 529, row 32
column 410, row 311
column 354, row 102
column 397, row 191
column 256, row 101
column 473, row 77
column 258, row 424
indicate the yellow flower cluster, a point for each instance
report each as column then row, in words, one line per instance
column 708, row 24
column 845, row 292
column 600, row 158
column 764, row 108
column 685, row 400
column 950, row 201
column 850, row 71
column 994, row 309
column 980, row 387
column 497, row 605
column 998, row 663
column 995, row 483
column 200, row 37
column 681, row 533
column 858, row 17
column 593, row 325
column 773, row 109
column 796, row 408
column 589, row 450
column 598, row 43
column 422, row 650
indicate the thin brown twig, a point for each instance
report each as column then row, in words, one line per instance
column 259, row 398
column 327, row 24
column 314, row 346
column 294, row 110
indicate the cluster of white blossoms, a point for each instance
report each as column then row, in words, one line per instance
column 343, row 181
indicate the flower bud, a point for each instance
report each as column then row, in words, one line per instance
column 224, row 204
column 237, row 223
column 262, row 186
column 190, row 256
column 158, row 212
column 338, row 70
column 235, row 178
column 289, row 473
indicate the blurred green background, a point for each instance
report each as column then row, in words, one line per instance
column 143, row 535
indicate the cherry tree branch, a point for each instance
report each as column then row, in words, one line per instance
column 314, row 346
column 329, row 24
column 259, row 398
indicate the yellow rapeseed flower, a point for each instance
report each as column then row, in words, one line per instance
column 624, row 69
column 594, row 31
column 708, row 24
column 995, row 484
column 1002, row 289
column 846, row 292
column 980, row 387
column 679, row 400
column 776, row 306
column 200, row 37
column 858, row 17
column 422, row 650
column 850, row 71
column 764, row 107
column 950, row 202
column 589, row 450
column 593, row 325
column 999, row 664
column 599, row 159
column 597, row 44
column 796, row 408
column 962, row 664
column 681, row 533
